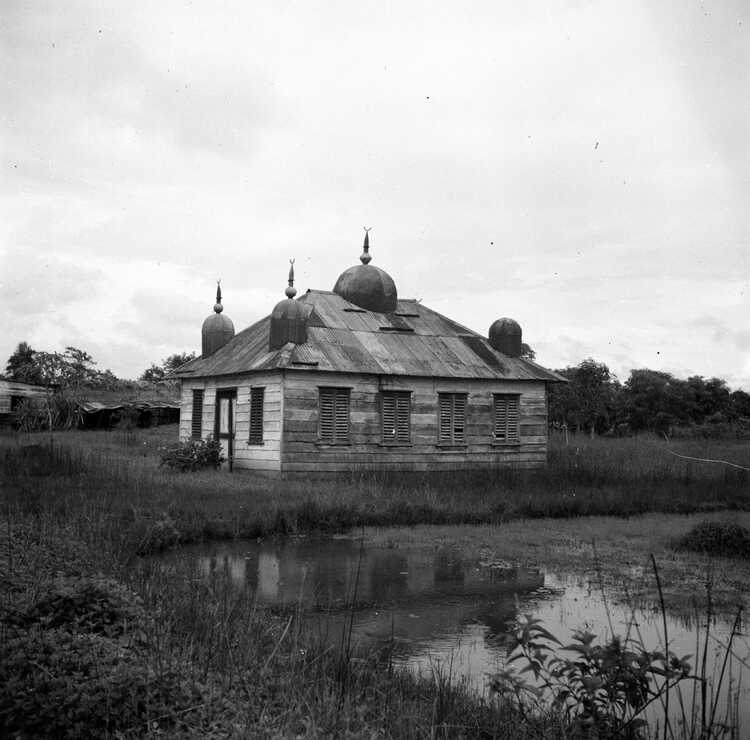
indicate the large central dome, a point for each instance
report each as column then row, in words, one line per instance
column 367, row 286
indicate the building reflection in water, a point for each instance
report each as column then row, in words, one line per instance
column 415, row 596
column 427, row 605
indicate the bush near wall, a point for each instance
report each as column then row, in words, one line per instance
column 195, row 454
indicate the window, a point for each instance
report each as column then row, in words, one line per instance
column 333, row 425
column 452, row 418
column 506, row 421
column 197, row 422
column 256, row 416
column 396, row 417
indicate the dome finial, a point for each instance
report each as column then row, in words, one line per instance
column 291, row 291
column 217, row 306
column 365, row 256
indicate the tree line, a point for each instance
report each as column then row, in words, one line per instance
column 593, row 400
column 69, row 378
column 76, row 369
column 596, row 402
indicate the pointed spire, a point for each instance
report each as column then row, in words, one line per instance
column 217, row 306
column 291, row 291
column 365, row 256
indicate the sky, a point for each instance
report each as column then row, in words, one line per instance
column 582, row 167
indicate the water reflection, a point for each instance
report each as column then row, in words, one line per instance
column 429, row 605
column 325, row 574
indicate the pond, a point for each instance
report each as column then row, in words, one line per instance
column 435, row 611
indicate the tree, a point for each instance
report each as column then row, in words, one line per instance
column 176, row 360
column 153, row 373
column 588, row 400
column 654, row 401
column 22, row 366
column 740, row 404
column 159, row 372
column 526, row 352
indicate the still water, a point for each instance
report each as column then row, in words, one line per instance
column 437, row 611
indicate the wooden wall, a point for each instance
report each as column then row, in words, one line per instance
column 11, row 388
column 302, row 451
column 246, row 456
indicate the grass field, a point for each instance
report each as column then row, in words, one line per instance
column 116, row 475
column 88, row 649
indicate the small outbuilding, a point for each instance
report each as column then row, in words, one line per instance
column 142, row 405
column 12, row 394
column 359, row 379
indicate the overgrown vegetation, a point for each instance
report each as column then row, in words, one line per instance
column 192, row 455
column 595, row 401
column 725, row 539
column 93, row 646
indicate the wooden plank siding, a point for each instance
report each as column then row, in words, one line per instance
column 302, row 451
column 248, row 456
column 10, row 389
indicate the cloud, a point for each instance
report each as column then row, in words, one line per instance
column 580, row 167
column 35, row 285
column 723, row 333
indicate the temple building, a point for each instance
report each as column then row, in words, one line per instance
column 359, row 379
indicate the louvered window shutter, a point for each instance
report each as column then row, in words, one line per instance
column 403, row 418
column 452, row 418
column 256, row 416
column 507, row 418
column 334, row 415
column 196, row 425
column 445, row 417
column 396, row 417
column 459, row 418
column 341, row 425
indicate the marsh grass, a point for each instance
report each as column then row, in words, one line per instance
column 116, row 478
column 725, row 539
column 193, row 658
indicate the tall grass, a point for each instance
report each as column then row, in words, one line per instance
column 93, row 647
column 115, row 483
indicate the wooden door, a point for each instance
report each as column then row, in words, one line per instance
column 226, row 404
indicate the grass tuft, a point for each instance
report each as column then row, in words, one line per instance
column 725, row 539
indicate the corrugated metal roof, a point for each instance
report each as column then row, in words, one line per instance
column 341, row 337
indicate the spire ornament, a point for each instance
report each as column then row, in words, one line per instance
column 365, row 257
column 291, row 291
column 217, row 306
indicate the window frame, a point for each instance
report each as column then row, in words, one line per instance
column 505, row 415
column 395, row 404
column 196, row 430
column 452, row 413
column 256, row 415
column 337, row 430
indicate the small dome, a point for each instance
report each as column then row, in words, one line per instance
column 289, row 323
column 505, row 336
column 289, row 318
column 367, row 286
column 217, row 329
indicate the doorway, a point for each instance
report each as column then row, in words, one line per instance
column 226, row 405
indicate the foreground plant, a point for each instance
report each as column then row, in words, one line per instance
column 603, row 689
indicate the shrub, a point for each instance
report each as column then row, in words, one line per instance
column 602, row 690
column 83, row 604
column 727, row 539
column 195, row 454
column 56, row 683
